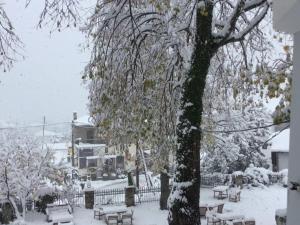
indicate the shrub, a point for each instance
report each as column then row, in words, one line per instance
column 41, row 203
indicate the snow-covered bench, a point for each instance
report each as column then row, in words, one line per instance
column 59, row 214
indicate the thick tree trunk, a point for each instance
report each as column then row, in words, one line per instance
column 184, row 199
column 164, row 189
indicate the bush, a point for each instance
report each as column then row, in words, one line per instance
column 42, row 202
column 257, row 176
column 7, row 213
column 284, row 177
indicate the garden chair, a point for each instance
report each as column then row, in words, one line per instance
column 249, row 222
column 237, row 222
column 235, row 196
column 220, row 208
column 203, row 210
column 127, row 217
column 112, row 219
column 98, row 212
column 212, row 219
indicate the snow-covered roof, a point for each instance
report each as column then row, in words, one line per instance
column 93, row 157
column 281, row 142
column 84, row 121
column 87, row 145
column 109, row 156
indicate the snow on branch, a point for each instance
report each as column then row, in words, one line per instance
column 10, row 44
column 243, row 17
column 59, row 13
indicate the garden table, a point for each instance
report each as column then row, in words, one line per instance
column 220, row 192
column 226, row 217
column 114, row 209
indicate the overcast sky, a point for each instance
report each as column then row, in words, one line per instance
column 48, row 82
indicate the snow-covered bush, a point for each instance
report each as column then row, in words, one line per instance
column 257, row 176
column 284, row 177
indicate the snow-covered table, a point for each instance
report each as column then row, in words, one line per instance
column 220, row 192
column 100, row 210
column 225, row 217
column 114, row 209
column 59, row 213
column 61, row 217
column 209, row 204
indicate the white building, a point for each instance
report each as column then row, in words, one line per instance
column 287, row 19
column 280, row 146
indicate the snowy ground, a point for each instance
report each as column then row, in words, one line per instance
column 256, row 202
column 144, row 214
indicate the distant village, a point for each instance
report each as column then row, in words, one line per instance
column 90, row 156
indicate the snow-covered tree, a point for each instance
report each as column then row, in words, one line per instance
column 235, row 122
column 24, row 165
column 137, row 44
column 236, row 140
column 10, row 44
column 173, row 40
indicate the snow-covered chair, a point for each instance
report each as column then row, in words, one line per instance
column 112, row 219
column 98, row 211
column 220, row 208
column 127, row 218
column 249, row 221
column 203, row 210
column 235, row 195
column 211, row 217
column 238, row 222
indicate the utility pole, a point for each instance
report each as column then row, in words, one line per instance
column 72, row 131
column 137, row 172
column 44, row 123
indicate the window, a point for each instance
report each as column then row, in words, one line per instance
column 86, row 152
column 92, row 162
column 90, row 136
column 82, row 163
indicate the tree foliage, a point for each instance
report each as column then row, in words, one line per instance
column 24, row 166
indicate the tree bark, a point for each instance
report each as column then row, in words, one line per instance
column 164, row 189
column 184, row 201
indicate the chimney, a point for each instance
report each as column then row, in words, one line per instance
column 74, row 115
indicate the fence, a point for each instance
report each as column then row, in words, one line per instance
column 104, row 196
column 109, row 196
column 211, row 180
column 117, row 196
column 147, row 194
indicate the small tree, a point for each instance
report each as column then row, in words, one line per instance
column 25, row 166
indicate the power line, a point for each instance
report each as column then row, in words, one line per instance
column 33, row 126
column 47, row 125
column 91, row 126
column 246, row 129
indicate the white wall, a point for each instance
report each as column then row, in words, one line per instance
column 283, row 160
column 293, row 215
column 285, row 13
